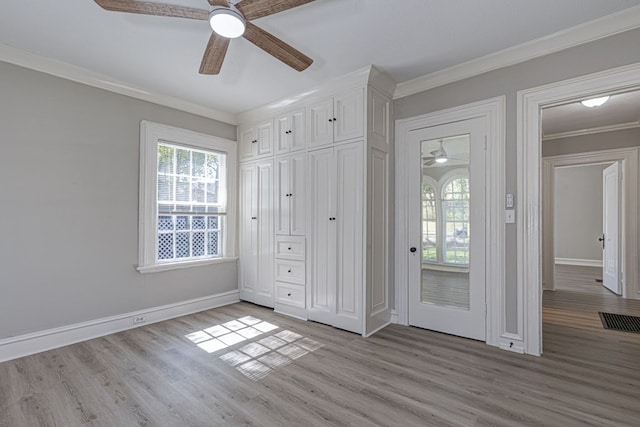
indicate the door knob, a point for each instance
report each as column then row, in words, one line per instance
column 413, row 249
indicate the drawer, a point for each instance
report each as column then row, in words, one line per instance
column 290, row 271
column 290, row 294
column 290, row 247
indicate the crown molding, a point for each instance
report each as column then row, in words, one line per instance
column 591, row 131
column 77, row 74
column 606, row 26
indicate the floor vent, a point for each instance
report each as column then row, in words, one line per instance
column 620, row 322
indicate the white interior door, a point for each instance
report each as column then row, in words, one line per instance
column 447, row 228
column 611, row 228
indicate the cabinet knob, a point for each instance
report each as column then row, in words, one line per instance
column 289, row 271
column 330, row 120
column 254, row 217
column 289, row 294
column 335, row 120
column 289, row 248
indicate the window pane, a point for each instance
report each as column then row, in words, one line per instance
column 183, row 245
column 165, row 159
column 184, row 161
column 198, row 164
column 165, row 188
column 165, row 246
column 198, row 244
column 455, row 205
column 429, row 236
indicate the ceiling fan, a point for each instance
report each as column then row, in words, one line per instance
column 437, row 156
column 227, row 21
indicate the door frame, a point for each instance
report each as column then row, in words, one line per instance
column 628, row 158
column 493, row 112
column 528, row 170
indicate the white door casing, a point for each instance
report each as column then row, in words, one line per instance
column 469, row 323
column 611, row 228
column 493, row 112
column 528, row 213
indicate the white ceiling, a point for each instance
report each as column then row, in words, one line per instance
column 620, row 109
column 404, row 38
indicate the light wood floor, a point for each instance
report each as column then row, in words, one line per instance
column 402, row 376
column 578, row 278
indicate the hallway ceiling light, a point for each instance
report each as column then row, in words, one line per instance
column 595, row 102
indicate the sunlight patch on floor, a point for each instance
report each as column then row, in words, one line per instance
column 261, row 353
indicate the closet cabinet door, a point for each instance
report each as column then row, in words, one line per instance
column 297, row 127
column 322, row 237
column 247, row 143
column 320, row 123
column 264, row 284
column 349, row 214
column 349, row 115
column 264, row 136
column 283, row 200
column 248, row 265
column 298, row 191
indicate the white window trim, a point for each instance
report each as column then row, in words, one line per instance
column 150, row 135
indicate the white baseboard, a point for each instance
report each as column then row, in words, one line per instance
column 394, row 316
column 36, row 342
column 580, row 262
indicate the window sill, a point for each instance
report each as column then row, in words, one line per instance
column 155, row 268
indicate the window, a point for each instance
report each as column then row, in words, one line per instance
column 455, row 215
column 445, row 219
column 429, row 223
column 186, row 182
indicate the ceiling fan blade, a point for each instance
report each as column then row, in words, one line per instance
column 254, row 9
column 428, row 161
column 150, row 8
column 214, row 54
column 277, row 48
column 224, row 3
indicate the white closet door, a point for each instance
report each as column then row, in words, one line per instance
column 320, row 123
column 322, row 256
column 248, row 231
column 281, row 132
column 348, row 116
column 246, row 147
column 298, row 191
column 349, row 222
column 283, row 203
column 264, row 135
column 264, row 282
column 297, row 136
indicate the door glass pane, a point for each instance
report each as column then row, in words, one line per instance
column 445, row 222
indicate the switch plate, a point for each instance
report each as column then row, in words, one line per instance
column 510, row 216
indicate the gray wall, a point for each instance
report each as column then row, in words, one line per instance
column 578, row 212
column 594, row 142
column 599, row 55
column 69, row 219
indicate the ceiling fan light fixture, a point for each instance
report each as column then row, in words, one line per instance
column 227, row 22
column 595, row 102
column 441, row 158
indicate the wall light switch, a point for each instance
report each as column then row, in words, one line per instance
column 510, row 216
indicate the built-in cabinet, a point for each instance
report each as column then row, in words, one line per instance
column 290, row 131
column 291, row 192
column 336, row 230
column 256, row 234
column 337, row 118
column 255, row 141
column 316, row 250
